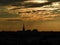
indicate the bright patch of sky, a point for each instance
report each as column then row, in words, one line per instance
column 37, row 1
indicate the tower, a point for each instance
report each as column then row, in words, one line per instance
column 23, row 27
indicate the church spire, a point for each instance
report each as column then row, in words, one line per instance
column 23, row 27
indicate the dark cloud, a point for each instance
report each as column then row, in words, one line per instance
column 15, row 3
column 7, row 2
column 31, row 4
column 10, row 1
column 37, row 4
column 53, row 0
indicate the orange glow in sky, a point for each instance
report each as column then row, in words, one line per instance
column 37, row 1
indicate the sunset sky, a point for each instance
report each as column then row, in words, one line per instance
column 15, row 13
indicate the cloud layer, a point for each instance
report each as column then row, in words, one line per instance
column 15, row 2
column 8, row 2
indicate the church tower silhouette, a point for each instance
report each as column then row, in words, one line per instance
column 23, row 27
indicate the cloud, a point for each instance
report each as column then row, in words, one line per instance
column 7, row 2
column 15, row 3
column 53, row 0
column 28, row 14
column 31, row 4
column 37, row 17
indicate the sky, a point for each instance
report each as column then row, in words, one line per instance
column 15, row 13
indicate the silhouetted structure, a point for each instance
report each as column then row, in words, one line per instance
column 23, row 27
column 28, row 37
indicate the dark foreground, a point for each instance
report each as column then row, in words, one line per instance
column 29, row 38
